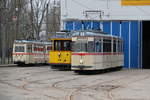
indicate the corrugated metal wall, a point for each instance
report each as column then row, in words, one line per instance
column 130, row 31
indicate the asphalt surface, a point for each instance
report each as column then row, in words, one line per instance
column 44, row 83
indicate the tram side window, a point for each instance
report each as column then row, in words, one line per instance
column 29, row 48
column 41, row 49
column 106, row 45
column 83, row 47
column 98, row 46
column 79, row 46
column 49, row 48
column 66, row 46
column 114, row 46
column 90, row 46
column 35, row 49
column 19, row 49
column 76, row 47
column 119, row 47
column 57, row 45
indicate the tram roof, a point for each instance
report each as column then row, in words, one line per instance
column 61, row 36
column 92, row 34
column 32, row 41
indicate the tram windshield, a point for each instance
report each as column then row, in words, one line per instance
column 19, row 49
column 61, row 45
column 83, row 46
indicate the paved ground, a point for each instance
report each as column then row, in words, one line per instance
column 43, row 83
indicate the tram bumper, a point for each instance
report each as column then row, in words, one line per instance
column 81, row 67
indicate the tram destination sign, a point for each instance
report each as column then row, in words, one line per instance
column 82, row 39
column 135, row 2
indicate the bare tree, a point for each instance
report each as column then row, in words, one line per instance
column 10, row 29
column 53, row 24
column 38, row 9
column 5, row 14
column 23, row 19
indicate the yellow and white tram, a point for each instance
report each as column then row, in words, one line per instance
column 96, row 51
column 60, row 55
column 31, row 52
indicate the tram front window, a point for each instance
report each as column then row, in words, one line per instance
column 79, row 47
column 62, row 45
column 19, row 48
column 57, row 45
column 67, row 46
column 82, row 47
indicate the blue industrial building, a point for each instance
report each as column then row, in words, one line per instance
column 133, row 32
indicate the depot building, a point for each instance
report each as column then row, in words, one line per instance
column 128, row 19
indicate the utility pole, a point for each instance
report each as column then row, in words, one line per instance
column 3, row 33
column 58, row 15
column 18, row 15
column 31, row 18
column 47, row 21
column 0, row 35
column 54, row 17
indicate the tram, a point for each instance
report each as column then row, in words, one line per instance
column 60, row 55
column 31, row 52
column 92, row 51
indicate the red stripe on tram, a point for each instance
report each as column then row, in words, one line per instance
column 83, row 54
column 29, row 54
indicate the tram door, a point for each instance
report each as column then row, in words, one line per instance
column 146, row 44
column 29, row 51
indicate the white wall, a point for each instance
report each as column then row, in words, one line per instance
column 112, row 10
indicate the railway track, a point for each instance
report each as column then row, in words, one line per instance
column 70, row 86
column 28, row 83
column 108, row 88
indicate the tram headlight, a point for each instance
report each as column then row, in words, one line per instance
column 59, row 54
column 81, row 61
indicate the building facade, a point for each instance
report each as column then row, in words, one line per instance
column 123, row 18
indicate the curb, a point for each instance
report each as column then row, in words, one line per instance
column 8, row 65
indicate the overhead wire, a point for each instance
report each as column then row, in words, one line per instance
column 83, row 5
column 142, row 10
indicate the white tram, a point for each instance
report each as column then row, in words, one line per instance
column 31, row 52
column 96, row 51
